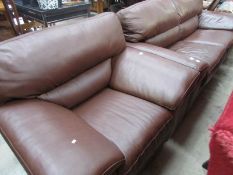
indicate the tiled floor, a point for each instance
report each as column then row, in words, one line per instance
column 188, row 149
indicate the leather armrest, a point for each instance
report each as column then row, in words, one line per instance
column 216, row 20
column 171, row 55
column 152, row 77
column 49, row 139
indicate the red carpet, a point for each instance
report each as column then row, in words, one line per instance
column 221, row 144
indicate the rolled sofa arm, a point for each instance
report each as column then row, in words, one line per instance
column 152, row 77
column 171, row 55
column 49, row 139
column 216, row 20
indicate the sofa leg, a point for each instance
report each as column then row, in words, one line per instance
column 205, row 165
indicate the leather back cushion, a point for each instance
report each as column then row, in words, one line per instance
column 39, row 62
column 160, row 22
column 81, row 87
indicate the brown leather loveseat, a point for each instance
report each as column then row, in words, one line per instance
column 74, row 101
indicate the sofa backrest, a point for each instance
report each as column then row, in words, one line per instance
column 65, row 64
column 160, row 22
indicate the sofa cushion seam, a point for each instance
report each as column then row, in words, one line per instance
column 112, row 165
column 193, row 67
column 150, row 142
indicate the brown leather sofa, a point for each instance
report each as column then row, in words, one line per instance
column 74, row 101
column 180, row 31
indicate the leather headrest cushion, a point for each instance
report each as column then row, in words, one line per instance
column 148, row 18
column 153, row 17
column 188, row 8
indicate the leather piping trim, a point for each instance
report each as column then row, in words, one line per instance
column 222, row 54
column 185, row 93
column 148, row 145
column 216, row 65
column 196, row 78
column 148, row 51
column 116, row 164
column 19, row 156
column 207, row 43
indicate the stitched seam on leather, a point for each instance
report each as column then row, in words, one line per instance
column 188, row 88
column 180, row 32
column 166, row 58
column 177, row 11
column 180, row 52
column 219, row 62
column 16, row 152
column 162, row 57
column 112, row 165
column 224, row 51
column 204, row 43
column 148, row 145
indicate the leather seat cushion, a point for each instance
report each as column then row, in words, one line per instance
column 129, row 122
column 211, row 54
column 212, row 37
column 43, row 136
